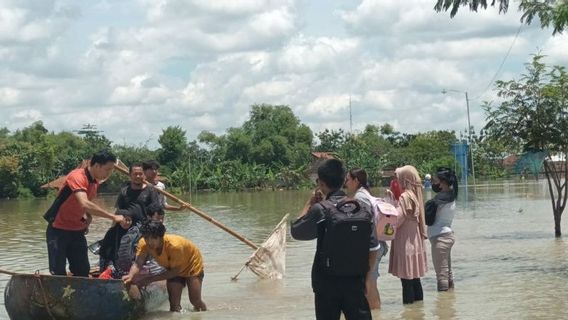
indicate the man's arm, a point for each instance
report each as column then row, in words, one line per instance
column 169, row 207
column 93, row 209
column 170, row 273
column 306, row 226
column 135, row 268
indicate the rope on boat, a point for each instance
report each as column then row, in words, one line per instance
column 44, row 295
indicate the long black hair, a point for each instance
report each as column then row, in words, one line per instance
column 361, row 176
column 448, row 176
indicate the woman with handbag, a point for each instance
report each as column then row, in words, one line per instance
column 440, row 212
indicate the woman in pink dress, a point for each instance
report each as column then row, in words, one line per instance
column 407, row 259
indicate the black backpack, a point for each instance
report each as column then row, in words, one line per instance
column 127, row 250
column 344, row 238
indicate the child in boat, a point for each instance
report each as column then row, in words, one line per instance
column 179, row 256
column 127, row 247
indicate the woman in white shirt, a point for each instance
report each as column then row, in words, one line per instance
column 440, row 212
column 358, row 187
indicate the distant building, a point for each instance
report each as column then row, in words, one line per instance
column 510, row 161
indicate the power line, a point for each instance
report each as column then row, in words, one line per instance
column 502, row 64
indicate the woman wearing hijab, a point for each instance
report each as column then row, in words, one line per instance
column 407, row 259
column 357, row 187
column 440, row 212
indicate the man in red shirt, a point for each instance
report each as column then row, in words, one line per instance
column 70, row 215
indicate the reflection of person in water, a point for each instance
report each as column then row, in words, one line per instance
column 445, row 306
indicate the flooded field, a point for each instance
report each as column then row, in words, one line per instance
column 507, row 263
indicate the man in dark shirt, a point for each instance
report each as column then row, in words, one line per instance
column 133, row 201
column 333, row 294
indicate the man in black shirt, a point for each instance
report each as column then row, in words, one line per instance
column 333, row 293
column 137, row 201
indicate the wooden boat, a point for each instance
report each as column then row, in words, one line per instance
column 77, row 298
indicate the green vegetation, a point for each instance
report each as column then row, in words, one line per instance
column 550, row 13
column 271, row 150
column 533, row 113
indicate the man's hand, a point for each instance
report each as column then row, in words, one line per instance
column 118, row 218
column 127, row 279
column 317, row 196
column 88, row 219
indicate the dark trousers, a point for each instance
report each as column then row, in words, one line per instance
column 411, row 290
column 353, row 304
column 63, row 246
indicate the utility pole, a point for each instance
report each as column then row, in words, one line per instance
column 470, row 140
column 350, row 117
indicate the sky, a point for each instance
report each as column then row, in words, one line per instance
column 135, row 67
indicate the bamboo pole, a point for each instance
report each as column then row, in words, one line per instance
column 7, row 272
column 196, row 211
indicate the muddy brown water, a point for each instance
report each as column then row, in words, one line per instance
column 507, row 263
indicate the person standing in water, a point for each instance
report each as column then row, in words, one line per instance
column 69, row 216
column 440, row 212
column 407, row 259
column 179, row 256
column 357, row 187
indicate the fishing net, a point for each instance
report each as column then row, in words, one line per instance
column 269, row 260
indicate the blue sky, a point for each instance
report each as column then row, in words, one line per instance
column 134, row 67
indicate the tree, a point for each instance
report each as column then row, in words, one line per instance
column 550, row 12
column 94, row 139
column 173, row 151
column 9, row 182
column 426, row 151
column 277, row 136
column 489, row 155
column 367, row 150
column 534, row 113
column 330, row 140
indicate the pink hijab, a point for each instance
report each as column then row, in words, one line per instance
column 411, row 201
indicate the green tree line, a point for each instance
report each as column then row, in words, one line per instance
column 272, row 149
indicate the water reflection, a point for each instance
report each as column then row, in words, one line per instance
column 506, row 261
column 445, row 305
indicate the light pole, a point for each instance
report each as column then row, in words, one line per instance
column 470, row 141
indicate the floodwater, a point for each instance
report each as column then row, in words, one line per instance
column 507, row 263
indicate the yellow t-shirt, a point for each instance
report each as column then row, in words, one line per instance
column 177, row 253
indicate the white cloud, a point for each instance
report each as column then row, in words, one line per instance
column 304, row 54
column 134, row 67
column 10, row 96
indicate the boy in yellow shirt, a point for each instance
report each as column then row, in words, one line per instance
column 179, row 256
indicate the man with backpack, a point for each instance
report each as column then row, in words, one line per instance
column 346, row 245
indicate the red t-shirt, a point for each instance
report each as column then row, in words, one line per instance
column 70, row 214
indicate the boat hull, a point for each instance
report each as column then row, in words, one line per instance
column 74, row 298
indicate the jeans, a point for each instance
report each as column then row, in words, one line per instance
column 441, row 257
